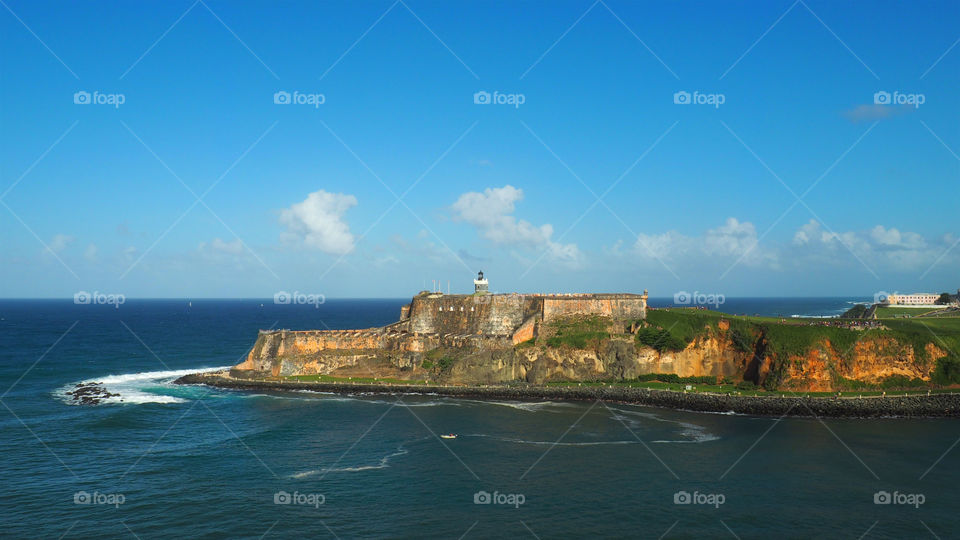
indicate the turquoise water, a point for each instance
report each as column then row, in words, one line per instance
column 192, row 462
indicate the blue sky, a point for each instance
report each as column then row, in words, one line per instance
column 802, row 182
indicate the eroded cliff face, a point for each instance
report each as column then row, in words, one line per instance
column 478, row 359
column 871, row 360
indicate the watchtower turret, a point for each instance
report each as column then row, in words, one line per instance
column 480, row 285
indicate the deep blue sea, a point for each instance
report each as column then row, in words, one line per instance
column 192, row 462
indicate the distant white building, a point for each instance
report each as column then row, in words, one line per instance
column 915, row 299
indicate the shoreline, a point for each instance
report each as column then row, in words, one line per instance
column 911, row 406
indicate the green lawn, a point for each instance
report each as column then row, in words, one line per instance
column 353, row 380
column 890, row 312
column 578, row 332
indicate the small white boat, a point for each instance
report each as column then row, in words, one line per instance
column 449, row 436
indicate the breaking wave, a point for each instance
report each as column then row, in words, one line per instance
column 137, row 388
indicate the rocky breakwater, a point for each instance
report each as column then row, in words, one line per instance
column 936, row 405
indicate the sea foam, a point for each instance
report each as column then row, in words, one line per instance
column 137, row 388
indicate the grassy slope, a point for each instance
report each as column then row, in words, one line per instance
column 796, row 337
column 890, row 312
column 353, row 380
column 577, row 332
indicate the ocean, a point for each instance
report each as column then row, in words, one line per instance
column 164, row 461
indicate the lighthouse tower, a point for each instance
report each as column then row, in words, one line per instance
column 480, row 285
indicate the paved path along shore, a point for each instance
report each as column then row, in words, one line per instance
column 935, row 405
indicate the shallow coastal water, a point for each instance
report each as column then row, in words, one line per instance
column 203, row 462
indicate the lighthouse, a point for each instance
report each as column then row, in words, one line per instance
column 480, row 285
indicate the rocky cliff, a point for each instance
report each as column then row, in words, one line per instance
column 570, row 353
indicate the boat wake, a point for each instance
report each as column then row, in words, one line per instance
column 383, row 463
column 528, row 406
column 548, row 443
column 692, row 433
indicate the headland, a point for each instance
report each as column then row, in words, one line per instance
column 614, row 347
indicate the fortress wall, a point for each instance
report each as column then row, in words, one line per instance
column 281, row 343
column 502, row 314
column 491, row 314
column 324, row 351
column 527, row 331
column 315, row 341
column 621, row 307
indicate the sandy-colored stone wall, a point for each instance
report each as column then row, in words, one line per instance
column 502, row 314
column 527, row 330
column 498, row 314
column 620, row 307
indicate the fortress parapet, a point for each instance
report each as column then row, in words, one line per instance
column 505, row 314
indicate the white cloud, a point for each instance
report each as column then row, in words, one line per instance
column 881, row 248
column 318, row 221
column 894, row 238
column 219, row 246
column 90, row 253
column 669, row 245
column 732, row 240
column 491, row 212
column 60, row 242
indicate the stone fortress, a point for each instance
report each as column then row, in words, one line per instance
column 515, row 315
column 478, row 321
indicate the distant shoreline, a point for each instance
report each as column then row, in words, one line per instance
column 935, row 405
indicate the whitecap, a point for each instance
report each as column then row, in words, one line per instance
column 136, row 388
